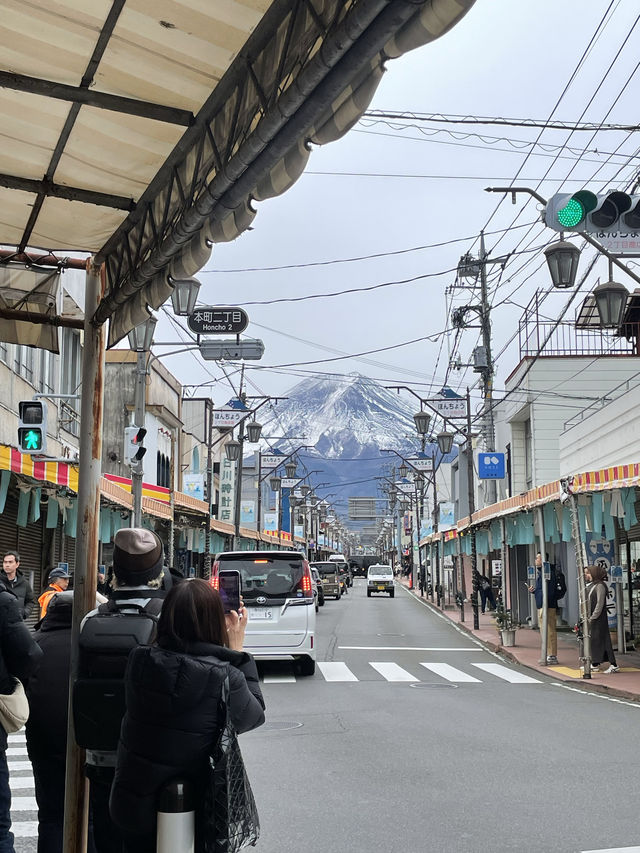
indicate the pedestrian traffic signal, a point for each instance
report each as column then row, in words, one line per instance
column 133, row 449
column 586, row 211
column 32, row 426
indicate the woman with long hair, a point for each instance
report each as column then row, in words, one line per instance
column 601, row 645
column 173, row 691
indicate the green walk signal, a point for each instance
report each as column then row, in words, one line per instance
column 30, row 440
column 571, row 214
column 32, row 426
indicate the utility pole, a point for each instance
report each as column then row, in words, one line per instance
column 137, row 468
column 487, row 371
column 472, row 509
column 207, row 534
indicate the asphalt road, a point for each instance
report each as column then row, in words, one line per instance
column 411, row 737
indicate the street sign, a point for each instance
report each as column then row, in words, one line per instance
column 449, row 407
column 271, row 460
column 227, row 418
column 546, row 570
column 248, row 349
column 211, row 320
column 421, row 463
column 615, row 574
column 289, row 482
column 491, row 466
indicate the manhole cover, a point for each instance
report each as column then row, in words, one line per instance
column 281, row 726
column 427, row 684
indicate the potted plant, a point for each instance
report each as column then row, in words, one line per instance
column 506, row 624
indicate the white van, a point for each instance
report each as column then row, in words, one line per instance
column 277, row 590
column 380, row 579
column 339, row 558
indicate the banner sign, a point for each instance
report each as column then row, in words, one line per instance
column 270, row 522
column 227, row 490
column 247, row 512
column 193, row 485
column 227, row 418
column 421, row 463
column 271, row 460
column 449, row 407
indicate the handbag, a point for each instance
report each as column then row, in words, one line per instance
column 229, row 818
column 14, row 708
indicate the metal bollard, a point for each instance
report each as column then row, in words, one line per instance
column 176, row 818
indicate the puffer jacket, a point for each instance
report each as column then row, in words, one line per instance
column 18, row 650
column 172, row 722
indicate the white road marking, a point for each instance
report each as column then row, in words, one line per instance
column 21, row 782
column 19, row 765
column 25, row 828
column 392, row 672
column 24, row 804
column 507, row 674
column 449, row 672
column 615, row 850
column 279, row 679
column 336, row 671
column 17, row 750
column 409, row 649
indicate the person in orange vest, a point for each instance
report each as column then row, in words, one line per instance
column 58, row 582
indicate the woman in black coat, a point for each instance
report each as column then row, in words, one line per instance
column 173, row 691
column 601, row 645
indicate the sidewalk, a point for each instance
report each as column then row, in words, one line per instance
column 624, row 684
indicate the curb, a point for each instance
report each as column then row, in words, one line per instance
column 585, row 685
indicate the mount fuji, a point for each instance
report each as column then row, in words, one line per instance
column 346, row 420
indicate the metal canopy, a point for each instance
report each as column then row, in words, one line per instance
column 141, row 130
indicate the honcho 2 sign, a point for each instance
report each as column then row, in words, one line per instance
column 213, row 320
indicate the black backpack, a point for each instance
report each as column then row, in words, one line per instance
column 106, row 638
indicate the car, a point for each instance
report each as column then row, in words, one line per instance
column 317, row 588
column 380, row 579
column 277, row 589
column 330, row 578
column 339, row 558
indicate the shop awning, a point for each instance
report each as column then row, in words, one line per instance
column 142, row 132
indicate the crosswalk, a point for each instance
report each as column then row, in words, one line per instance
column 23, row 802
column 339, row 671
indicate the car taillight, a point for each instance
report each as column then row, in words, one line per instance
column 215, row 579
column 305, row 584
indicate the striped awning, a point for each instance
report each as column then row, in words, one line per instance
column 142, row 132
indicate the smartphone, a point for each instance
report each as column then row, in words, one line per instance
column 229, row 587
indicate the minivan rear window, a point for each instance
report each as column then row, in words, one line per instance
column 264, row 574
column 381, row 571
column 326, row 568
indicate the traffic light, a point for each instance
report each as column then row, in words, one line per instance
column 133, row 449
column 586, row 211
column 32, row 426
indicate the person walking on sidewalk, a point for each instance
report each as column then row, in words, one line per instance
column 601, row 645
column 486, row 593
column 553, row 594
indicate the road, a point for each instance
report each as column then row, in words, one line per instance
column 411, row 738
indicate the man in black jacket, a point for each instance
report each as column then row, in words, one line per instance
column 137, row 586
column 18, row 655
column 17, row 583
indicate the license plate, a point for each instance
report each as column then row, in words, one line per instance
column 259, row 613
column 381, row 587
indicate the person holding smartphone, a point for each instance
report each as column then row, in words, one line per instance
column 173, row 692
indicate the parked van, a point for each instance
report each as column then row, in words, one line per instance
column 277, row 590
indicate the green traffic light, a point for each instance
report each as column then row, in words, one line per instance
column 571, row 214
column 32, row 439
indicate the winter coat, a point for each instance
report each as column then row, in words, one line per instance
column 48, row 686
column 601, row 645
column 171, row 723
column 21, row 588
column 18, row 650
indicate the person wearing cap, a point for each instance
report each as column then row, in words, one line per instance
column 48, row 692
column 139, row 579
column 58, row 582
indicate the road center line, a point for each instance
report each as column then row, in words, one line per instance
column 409, row 649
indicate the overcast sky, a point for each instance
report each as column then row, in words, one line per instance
column 389, row 187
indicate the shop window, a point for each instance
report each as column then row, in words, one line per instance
column 4, row 352
column 23, row 363
column 70, row 380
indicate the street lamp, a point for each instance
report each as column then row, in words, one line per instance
column 290, row 469
column 402, row 471
column 140, row 341
column 445, row 442
column 275, row 483
column 184, row 295
column 232, row 449
column 611, row 301
column 562, row 260
column 253, row 432
column 422, row 420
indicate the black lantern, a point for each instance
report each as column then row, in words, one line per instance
column 184, row 295
column 253, row 432
column 611, row 301
column 562, row 260
column 304, row 489
column 290, row 469
column 402, row 471
column 141, row 337
column 422, row 420
column 275, row 483
column 445, row 442
column 232, row 449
